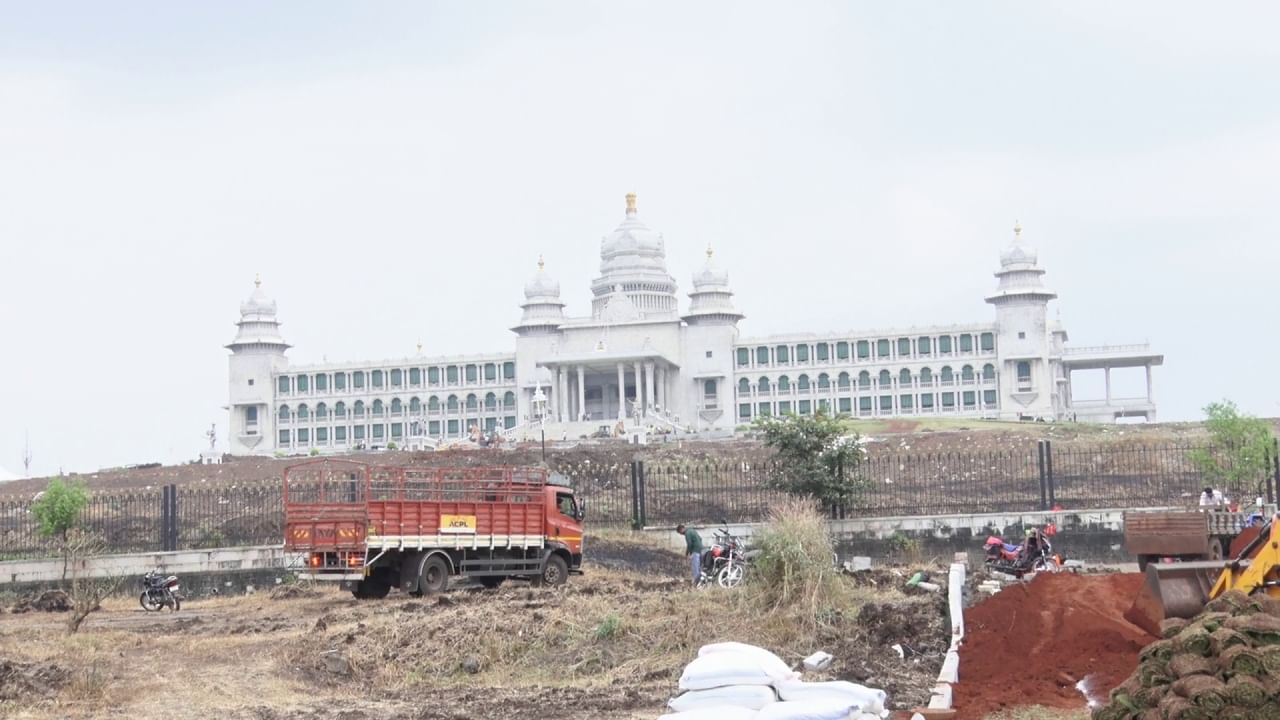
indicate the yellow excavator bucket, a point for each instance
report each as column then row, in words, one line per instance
column 1181, row 589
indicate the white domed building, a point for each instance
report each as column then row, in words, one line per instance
column 637, row 365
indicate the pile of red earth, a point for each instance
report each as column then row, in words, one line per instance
column 1224, row 664
column 1059, row 641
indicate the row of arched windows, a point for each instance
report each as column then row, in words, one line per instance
column 397, row 407
column 397, row 377
column 885, row 379
column 880, row 349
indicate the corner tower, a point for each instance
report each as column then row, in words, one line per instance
column 257, row 354
column 1023, row 342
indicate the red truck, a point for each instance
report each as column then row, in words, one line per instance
column 373, row 527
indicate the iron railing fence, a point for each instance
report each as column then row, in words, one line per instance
column 1035, row 476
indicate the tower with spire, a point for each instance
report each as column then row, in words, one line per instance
column 257, row 354
column 1023, row 339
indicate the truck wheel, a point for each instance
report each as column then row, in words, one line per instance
column 372, row 588
column 1215, row 549
column 554, row 573
column 435, row 576
column 491, row 581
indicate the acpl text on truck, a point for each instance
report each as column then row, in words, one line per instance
column 374, row 527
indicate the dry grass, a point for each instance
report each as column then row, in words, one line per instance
column 1038, row 712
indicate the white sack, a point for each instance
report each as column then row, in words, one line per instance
column 772, row 664
column 745, row 696
column 715, row 712
column 829, row 709
column 871, row 699
column 720, row 669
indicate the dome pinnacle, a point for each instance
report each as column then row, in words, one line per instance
column 541, row 264
column 710, row 252
column 1017, row 231
column 631, row 203
column 257, row 279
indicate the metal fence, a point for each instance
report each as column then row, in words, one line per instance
column 1035, row 476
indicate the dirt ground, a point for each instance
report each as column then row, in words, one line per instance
column 610, row 644
column 1058, row 641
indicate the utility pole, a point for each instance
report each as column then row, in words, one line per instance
column 26, row 456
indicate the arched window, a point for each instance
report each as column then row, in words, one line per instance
column 415, row 405
column 490, row 402
column 377, row 407
column 948, row 376
column 284, row 412
column 843, row 379
column 397, row 407
column 904, row 378
column 744, row 387
column 358, row 408
column 433, row 404
column 824, row 382
column 784, row 384
column 472, row 401
column 375, row 378
column 988, row 372
column 885, row 379
column 340, row 410
column 966, row 373
column 322, row 411
column 763, row 384
column 802, row 383
column 452, row 403
column 926, row 377
column 509, row 400
column 303, row 414
column 864, row 379
column 397, row 378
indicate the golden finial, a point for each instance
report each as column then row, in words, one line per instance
column 540, row 263
column 631, row 202
column 710, row 252
column 257, row 279
column 1017, row 230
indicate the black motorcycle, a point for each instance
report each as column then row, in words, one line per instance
column 160, row 592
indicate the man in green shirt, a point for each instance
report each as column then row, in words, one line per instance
column 692, row 548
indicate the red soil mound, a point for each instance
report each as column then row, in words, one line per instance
column 1029, row 644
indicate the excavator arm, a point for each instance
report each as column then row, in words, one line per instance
column 1182, row 589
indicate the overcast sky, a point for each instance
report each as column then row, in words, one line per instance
column 393, row 170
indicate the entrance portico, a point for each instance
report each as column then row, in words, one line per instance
column 608, row 387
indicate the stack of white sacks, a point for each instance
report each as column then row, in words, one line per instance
column 735, row 681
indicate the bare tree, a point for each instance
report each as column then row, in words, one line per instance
column 86, row 592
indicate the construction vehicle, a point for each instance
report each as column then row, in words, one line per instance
column 1156, row 535
column 373, row 528
column 1181, row 588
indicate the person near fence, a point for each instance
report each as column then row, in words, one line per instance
column 692, row 548
column 1211, row 498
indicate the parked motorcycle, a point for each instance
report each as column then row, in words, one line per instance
column 725, row 562
column 1034, row 554
column 160, row 592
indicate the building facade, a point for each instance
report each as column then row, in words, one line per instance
column 637, row 364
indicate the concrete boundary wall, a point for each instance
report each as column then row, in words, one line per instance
column 183, row 562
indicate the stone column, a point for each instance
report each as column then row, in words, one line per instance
column 1151, row 398
column 622, row 392
column 662, row 388
column 1107, row 372
column 582, row 393
column 562, row 395
column 639, row 388
column 649, row 386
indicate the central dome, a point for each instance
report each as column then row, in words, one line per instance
column 633, row 262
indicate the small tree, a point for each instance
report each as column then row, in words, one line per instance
column 1242, row 445
column 86, row 592
column 817, row 455
column 58, row 511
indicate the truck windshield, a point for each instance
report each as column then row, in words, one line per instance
column 567, row 506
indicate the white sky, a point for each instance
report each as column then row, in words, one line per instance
column 394, row 170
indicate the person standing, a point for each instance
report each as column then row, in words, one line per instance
column 692, row 548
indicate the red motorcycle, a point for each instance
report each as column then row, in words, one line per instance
column 1035, row 554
